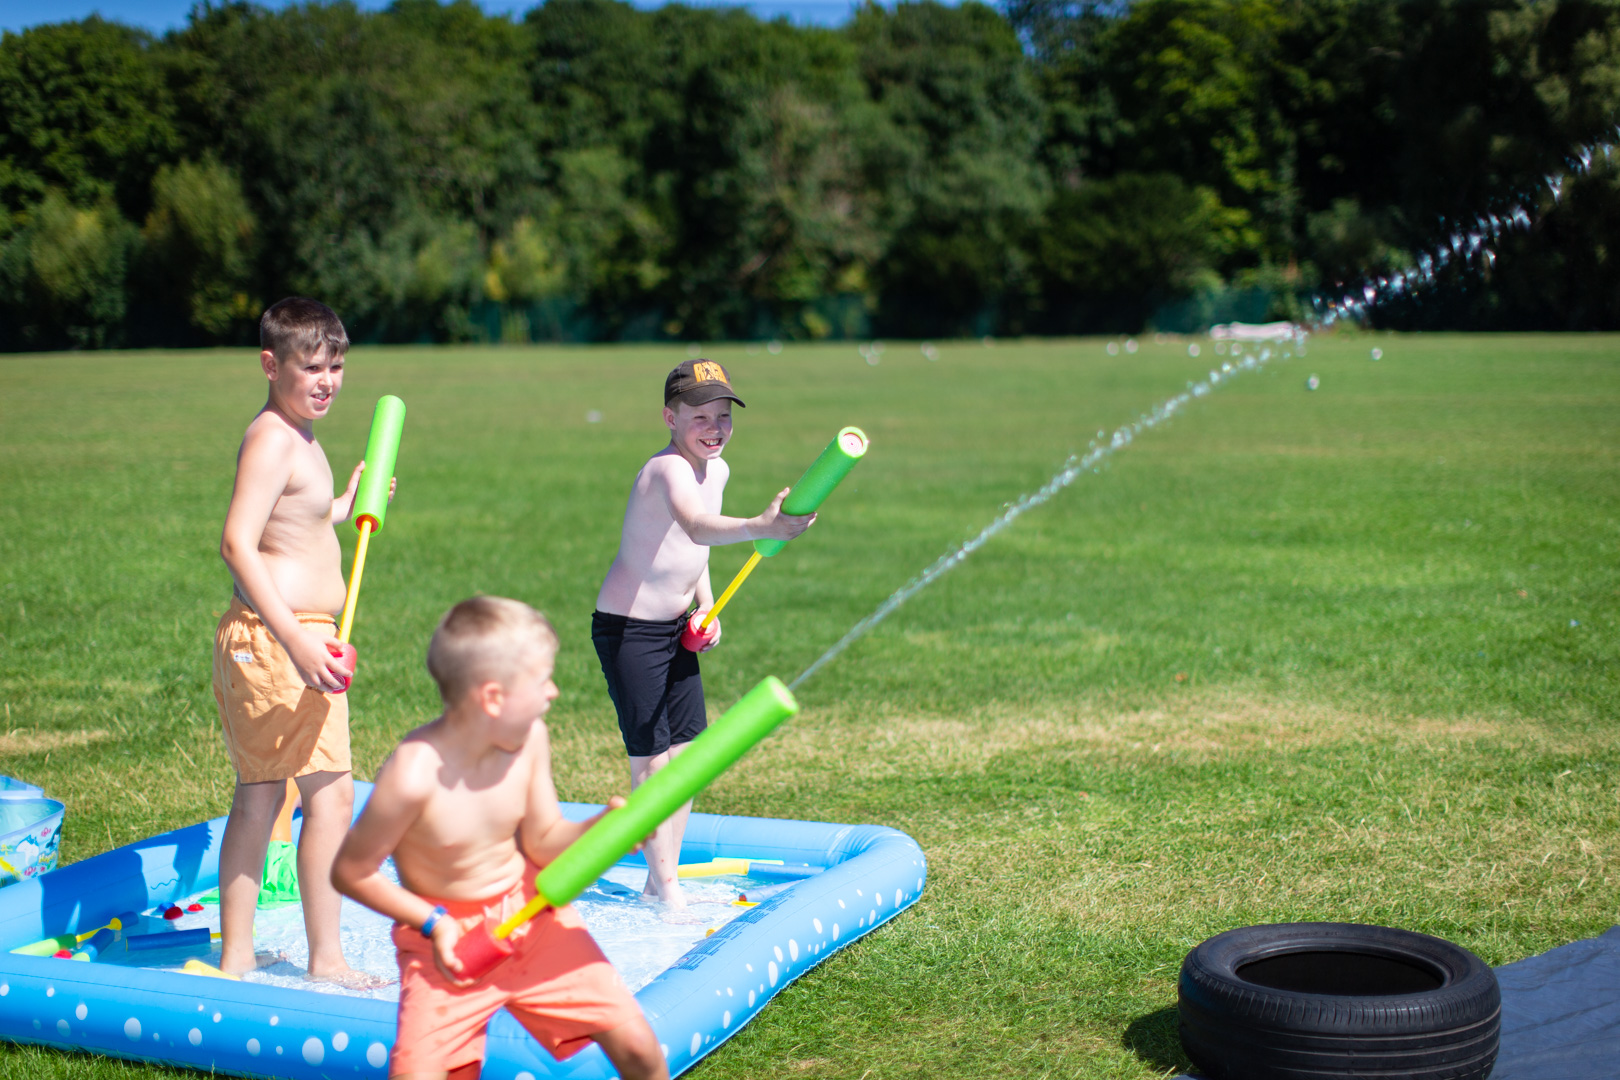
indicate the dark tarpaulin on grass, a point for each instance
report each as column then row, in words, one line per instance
column 1560, row 1013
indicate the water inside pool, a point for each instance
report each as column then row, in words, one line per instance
column 635, row 934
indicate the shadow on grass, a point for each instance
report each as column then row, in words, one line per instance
column 1154, row 1038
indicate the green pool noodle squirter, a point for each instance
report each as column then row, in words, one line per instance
column 369, row 511
column 382, row 452
column 805, row 497
column 617, row 832
column 755, row 716
column 819, row 480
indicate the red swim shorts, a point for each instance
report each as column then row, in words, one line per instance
column 556, row 983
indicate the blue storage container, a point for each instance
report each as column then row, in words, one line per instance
column 30, row 830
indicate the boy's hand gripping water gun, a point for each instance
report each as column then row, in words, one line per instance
column 818, row 481
column 370, row 509
column 618, row 831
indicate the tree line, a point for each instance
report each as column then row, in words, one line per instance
column 593, row 171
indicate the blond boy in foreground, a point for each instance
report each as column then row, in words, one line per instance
column 660, row 577
column 466, row 807
column 273, row 668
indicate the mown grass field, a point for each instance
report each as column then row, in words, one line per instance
column 1341, row 655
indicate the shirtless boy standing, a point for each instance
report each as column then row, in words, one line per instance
column 466, row 807
column 659, row 577
column 273, row 666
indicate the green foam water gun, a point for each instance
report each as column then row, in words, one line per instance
column 818, row 481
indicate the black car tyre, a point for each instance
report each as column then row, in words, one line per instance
column 1321, row 1001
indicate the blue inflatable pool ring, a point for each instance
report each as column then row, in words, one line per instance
column 849, row 879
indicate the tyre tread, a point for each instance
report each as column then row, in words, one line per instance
column 1237, row 1030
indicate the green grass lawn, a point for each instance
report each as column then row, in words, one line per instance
column 1342, row 655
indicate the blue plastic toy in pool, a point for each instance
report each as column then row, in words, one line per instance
column 30, row 830
column 869, row 874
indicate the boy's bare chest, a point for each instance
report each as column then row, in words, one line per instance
column 476, row 813
column 711, row 491
column 307, row 499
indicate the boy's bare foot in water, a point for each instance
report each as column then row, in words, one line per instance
column 671, row 895
column 350, row 979
column 260, row 960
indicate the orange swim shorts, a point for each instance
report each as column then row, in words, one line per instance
column 556, row 983
column 275, row 726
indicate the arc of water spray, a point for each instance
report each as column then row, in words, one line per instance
column 1075, row 467
column 1462, row 244
column 1466, row 242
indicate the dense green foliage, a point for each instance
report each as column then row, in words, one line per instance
column 593, row 171
column 1336, row 655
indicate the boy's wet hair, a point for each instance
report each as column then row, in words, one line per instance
column 298, row 327
column 487, row 639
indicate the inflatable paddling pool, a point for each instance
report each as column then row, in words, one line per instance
column 867, row 874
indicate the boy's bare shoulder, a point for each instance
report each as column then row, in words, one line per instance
column 267, row 425
column 668, row 466
column 411, row 771
column 538, row 744
column 660, row 463
column 268, row 433
column 654, row 480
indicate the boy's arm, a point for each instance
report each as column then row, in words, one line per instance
column 685, row 502
column 398, row 798
column 263, row 470
column 705, row 600
column 705, row 590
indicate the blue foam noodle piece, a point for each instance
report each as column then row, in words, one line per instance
column 95, row 946
column 197, row 940
column 868, row 875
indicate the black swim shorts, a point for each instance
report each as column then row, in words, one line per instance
column 654, row 683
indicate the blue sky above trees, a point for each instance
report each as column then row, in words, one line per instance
column 160, row 15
